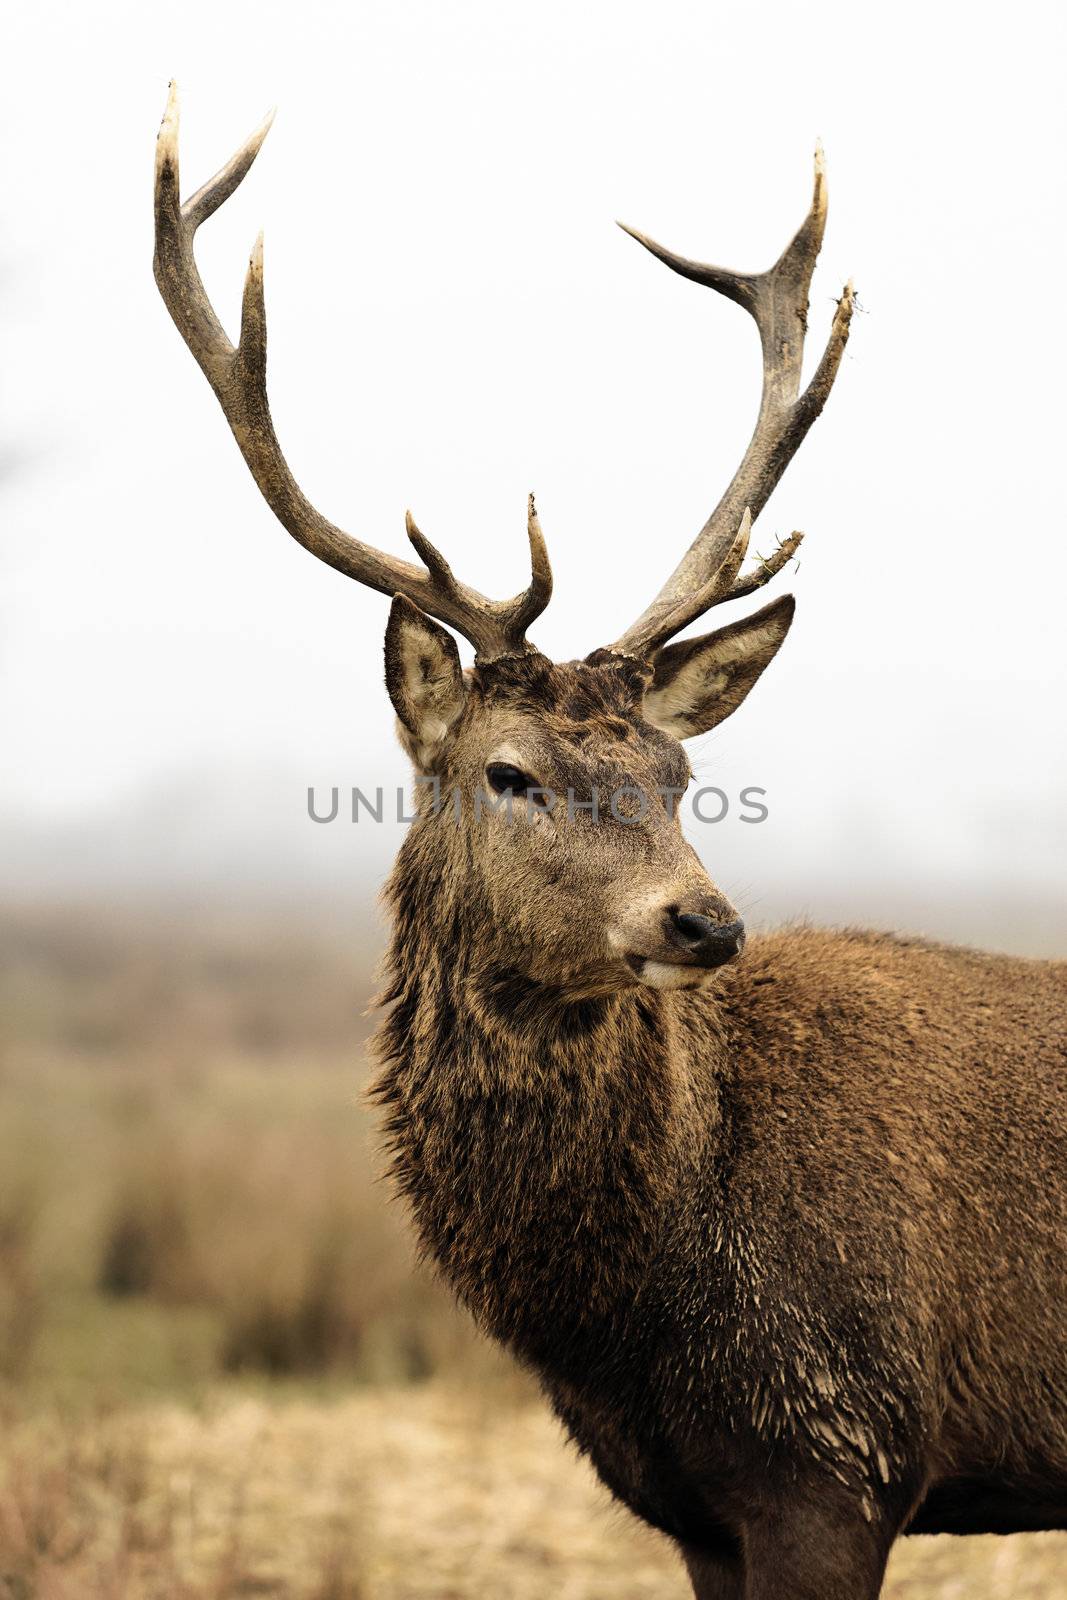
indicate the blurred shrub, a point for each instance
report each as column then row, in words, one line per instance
column 145, row 1247
column 281, row 1236
column 309, row 1326
column 21, row 1300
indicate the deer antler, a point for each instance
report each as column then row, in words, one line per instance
column 778, row 301
column 239, row 379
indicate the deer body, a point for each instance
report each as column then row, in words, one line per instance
column 796, row 1239
column 785, row 1238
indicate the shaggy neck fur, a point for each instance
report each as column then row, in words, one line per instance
column 541, row 1141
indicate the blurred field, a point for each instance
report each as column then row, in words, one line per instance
column 220, row 1373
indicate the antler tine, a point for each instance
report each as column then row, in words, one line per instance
column 509, row 618
column 767, row 569
column 534, row 599
column 239, row 378
column 777, row 300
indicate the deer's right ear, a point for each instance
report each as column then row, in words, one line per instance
column 698, row 682
column 424, row 680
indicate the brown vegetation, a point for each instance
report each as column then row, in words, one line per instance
column 299, row 1499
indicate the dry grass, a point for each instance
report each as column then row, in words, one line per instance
column 210, row 1322
column 418, row 1494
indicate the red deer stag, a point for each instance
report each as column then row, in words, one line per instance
column 784, row 1238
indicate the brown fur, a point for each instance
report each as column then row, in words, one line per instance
column 787, row 1249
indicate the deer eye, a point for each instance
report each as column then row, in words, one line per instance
column 503, row 778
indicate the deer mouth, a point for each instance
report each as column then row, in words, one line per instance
column 700, row 947
column 657, row 974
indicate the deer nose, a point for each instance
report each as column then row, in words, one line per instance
column 710, row 944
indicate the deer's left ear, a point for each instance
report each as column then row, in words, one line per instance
column 698, row 682
column 424, row 679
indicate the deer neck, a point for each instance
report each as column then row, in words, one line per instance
column 541, row 1141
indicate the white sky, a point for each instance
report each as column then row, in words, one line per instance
column 454, row 320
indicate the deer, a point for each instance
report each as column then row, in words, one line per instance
column 779, row 1223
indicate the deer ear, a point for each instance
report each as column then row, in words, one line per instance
column 696, row 683
column 424, row 680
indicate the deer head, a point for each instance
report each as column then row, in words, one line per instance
column 584, row 876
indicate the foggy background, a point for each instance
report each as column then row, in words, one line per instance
column 454, row 320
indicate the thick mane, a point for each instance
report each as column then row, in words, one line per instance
column 539, row 1139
